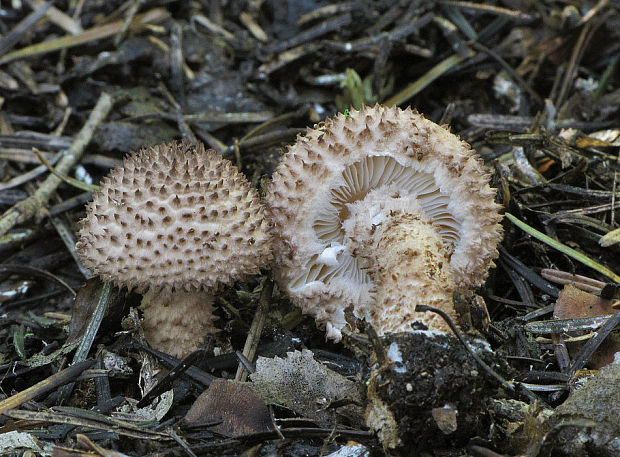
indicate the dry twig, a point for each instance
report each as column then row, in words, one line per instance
column 27, row 208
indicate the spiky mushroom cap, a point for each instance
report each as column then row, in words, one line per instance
column 340, row 188
column 174, row 221
column 176, row 217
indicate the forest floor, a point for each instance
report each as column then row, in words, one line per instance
column 532, row 86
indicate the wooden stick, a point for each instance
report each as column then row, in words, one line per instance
column 28, row 207
column 47, row 385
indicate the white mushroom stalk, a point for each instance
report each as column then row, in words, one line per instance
column 379, row 211
column 174, row 222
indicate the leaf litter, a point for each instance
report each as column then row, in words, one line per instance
column 534, row 90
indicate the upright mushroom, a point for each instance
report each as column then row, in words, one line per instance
column 378, row 211
column 174, row 222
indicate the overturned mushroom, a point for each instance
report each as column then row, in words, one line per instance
column 379, row 211
column 174, row 222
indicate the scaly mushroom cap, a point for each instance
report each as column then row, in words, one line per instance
column 175, row 217
column 361, row 170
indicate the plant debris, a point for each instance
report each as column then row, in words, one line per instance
column 532, row 86
column 232, row 407
column 305, row 386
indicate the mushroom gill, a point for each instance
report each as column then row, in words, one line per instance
column 371, row 174
column 378, row 211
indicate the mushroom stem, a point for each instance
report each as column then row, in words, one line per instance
column 411, row 265
column 175, row 321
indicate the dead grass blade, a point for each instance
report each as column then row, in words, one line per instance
column 96, row 33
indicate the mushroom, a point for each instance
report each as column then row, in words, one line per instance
column 174, row 222
column 377, row 211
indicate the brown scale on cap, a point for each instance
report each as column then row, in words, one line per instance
column 379, row 211
column 174, row 222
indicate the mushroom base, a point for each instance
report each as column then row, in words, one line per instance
column 432, row 397
column 177, row 322
column 411, row 266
